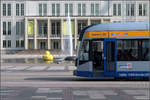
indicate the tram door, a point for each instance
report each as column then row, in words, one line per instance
column 109, row 57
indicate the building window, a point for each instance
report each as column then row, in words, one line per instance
column 17, row 43
column 42, row 26
column 9, row 28
column 4, row 43
column 83, row 9
column 97, row 9
column 53, row 9
column 79, row 9
column 132, row 9
column 92, row 9
column 71, row 9
column 22, row 9
column 4, row 28
column 17, row 9
column 66, row 9
column 22, row 43
column 17, row 28
column 9, row 43
column 4, row 9
column 81, row 24
column 119, row 9
column 142, row 10
column 56, row 28
column 9, row 9
column 127, row 9
column 58, row 9
column 40, row 9
column 114, row 10
column 45, row 9
column 145, row 10
column 22, row 27
column 56, row 44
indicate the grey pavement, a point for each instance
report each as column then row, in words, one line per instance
column 22, row 81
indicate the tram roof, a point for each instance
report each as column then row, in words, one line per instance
column 119, row 26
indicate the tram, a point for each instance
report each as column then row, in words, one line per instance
column 114, row 50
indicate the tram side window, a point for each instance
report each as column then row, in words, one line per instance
column 133, row 50
column 145, row 50
column 84, row 52
column 127, row 50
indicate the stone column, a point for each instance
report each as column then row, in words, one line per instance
column 76, row 33
column 48, row 30
column 62, row 42
column 35, row 33
column 26, row 34
column 89, row 21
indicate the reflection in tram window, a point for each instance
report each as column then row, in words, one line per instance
column 132, row 50
column 84, row 52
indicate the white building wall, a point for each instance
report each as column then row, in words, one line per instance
column 31, row 8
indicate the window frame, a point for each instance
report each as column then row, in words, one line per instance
column 4, row 9
column 9, row 9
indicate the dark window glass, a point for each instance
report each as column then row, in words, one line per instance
column 9, row 43
column 71, row 9
column 66, row 9
column 84, row 51
column 9, row 9
column 79, row 9
column 22, row 9
column 127, row 9
column 17, row 28
column 92, row 9
column 140, row 9
column 22, row 28
column 133, row 50
column 4, row 9
column 45, row 9
column 145, row 50
column 119, row 9
column 9, row 28
column 144, row 10
column 114, row 9
column 53, row 9
column 22, row 43
column 17, row 43
column 58, row 9
column 17, row 9
column 132, row 9
column 40, row 9
column 4, row 43
column 97, row 9
column 83, row 9
column 4, row 28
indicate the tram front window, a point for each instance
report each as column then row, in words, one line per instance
column 84, row 51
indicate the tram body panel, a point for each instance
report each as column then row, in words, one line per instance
column 110, row 65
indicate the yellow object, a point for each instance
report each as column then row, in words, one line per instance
column 30, row 27
column 47, row 56
column 117, row 34
column 65, row 27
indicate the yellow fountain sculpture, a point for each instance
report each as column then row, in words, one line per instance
column 47, row 56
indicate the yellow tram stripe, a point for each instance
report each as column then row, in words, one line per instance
column 117, row 34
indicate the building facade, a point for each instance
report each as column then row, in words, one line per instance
column 40, row 24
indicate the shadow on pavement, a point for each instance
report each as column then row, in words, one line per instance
column 79, row 79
